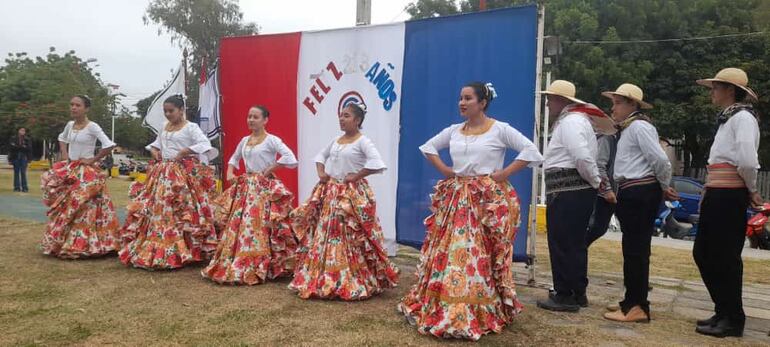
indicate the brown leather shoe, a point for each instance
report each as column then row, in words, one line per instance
column 613, row 307
column 636, row 314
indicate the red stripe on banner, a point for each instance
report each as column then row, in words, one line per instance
column 260, row 70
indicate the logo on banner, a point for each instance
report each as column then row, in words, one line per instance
column 351, row 97
column 378, row 75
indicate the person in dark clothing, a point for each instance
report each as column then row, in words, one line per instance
column 604, row 207
column 21, row 151
column 108, row 163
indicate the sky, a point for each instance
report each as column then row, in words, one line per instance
column 131, row 54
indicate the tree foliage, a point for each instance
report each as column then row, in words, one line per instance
column 666, row 70
column 35, row 93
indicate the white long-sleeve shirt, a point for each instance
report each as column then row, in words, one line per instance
column 477, row 155
column 573, row 146
column 82, row 143
column 170, row 143
column 342, row 159
column 262, row 156
column 640, row 155
column 736, row 143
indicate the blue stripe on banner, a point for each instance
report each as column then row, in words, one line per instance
column 441, row 55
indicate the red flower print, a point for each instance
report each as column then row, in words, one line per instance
column 436, row 287
column 470, row 270
column 483, row 266
column 434, row 318
column 440, row 261
column 174, row 261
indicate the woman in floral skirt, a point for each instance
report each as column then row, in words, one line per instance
column 81, row 218
column 465, row 285
column 341, row 253
column 257, row 243
column 169, row 221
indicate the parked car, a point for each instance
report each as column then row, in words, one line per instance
column 690, row 192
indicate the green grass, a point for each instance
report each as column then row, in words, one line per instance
column 116, row 187
column 45, row 301
column 52, row 302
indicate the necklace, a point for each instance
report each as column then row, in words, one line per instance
column 342, row 143
column 473, row 134
column 76, row 131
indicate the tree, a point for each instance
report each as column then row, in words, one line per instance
column 197, row 26
column 35, row 93
column 431, row 8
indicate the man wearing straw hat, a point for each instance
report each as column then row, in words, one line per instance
column 730, row 188
column 572, row 179
column 643, row 174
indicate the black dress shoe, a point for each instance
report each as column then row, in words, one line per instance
column 559, row 303
column 723, row 328
column 707, row 322
column 581, row 300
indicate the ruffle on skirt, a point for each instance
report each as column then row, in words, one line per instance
column 341, row 253
column 257, row 243
column 81, row 218
column 465, row 286
column 169, row 222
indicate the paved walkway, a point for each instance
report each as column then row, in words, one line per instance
column 30, row 207
column 751, row 253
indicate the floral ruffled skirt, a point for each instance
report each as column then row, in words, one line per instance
column 81, row 218
column 169, row 222
column 256, row 242
column 341, row 253
column 465, row 286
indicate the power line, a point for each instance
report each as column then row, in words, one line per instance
column 600, row 42
column 399, row 14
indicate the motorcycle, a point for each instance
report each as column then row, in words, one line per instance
column 668, row 226
column 758, row 228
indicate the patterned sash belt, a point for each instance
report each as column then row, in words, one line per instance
column 564, row 180
column 624, row 184
column 724, row 175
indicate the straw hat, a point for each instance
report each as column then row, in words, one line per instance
column 564, row 89
column 731, row 75
column 630, row 91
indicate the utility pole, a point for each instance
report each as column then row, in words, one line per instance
column 363, row 12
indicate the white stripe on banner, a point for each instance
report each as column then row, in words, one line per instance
column 365, row 63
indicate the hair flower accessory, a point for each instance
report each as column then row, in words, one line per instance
column 491, row 91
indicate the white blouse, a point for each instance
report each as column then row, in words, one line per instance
column 639, row 154
column 736, row 143
column 342, row 159
column 573, row 146
column 170, row 143
column 82, row 143
column 260, row 157
column 478, row 155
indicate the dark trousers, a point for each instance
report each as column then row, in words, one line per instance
column 636, row 211
column 20, row 174
column 597, row 226
column 567, row 218
column 600, row 220
column 718, row 247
